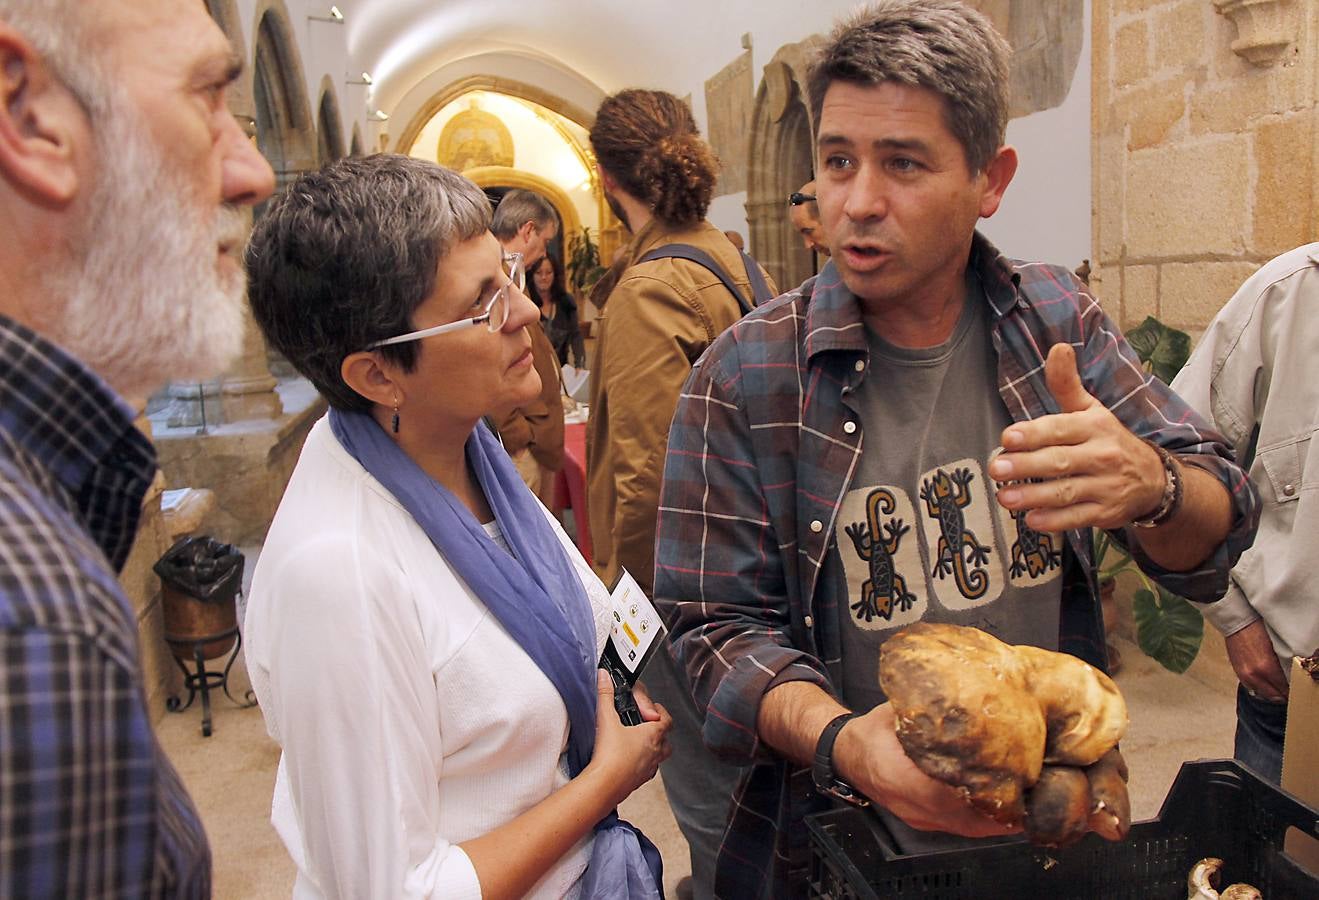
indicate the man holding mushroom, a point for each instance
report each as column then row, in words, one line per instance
column 925, row 432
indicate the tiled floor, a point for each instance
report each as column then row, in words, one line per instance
column 231, row 774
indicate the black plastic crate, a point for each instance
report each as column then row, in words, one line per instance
column 1214, row 808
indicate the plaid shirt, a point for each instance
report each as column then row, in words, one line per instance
column 758, row 465
column 89, row 805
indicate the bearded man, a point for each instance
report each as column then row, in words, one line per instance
column 128, row 180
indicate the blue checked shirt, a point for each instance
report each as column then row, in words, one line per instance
column 759, row 463
column 89, row 805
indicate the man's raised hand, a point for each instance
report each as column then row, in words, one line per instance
column 1079, row 467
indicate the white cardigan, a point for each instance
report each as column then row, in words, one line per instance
column 409, row 719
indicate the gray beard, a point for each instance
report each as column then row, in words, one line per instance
column 143, row 300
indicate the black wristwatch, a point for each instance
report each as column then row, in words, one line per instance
column 822, row 772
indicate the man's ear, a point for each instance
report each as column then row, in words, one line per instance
column 998, row 175
column 40, row 124
column 526, row 231
column 364, row 373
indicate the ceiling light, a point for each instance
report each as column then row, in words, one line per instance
column 335, row 17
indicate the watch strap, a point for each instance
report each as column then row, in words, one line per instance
column 822, row 771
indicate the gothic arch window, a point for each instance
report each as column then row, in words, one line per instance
column 781, row 160
column 283, row 118
column 329, row 126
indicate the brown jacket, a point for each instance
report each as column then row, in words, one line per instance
column 539, row 425
column 660, row 317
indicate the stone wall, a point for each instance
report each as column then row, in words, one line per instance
column 1204, row 148
column 246, row 464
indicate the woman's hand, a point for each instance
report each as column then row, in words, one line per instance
column 510, row 859
column 626, row 757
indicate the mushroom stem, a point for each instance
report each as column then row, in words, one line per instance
column 1200, row 884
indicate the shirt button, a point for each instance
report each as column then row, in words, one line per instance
column 817, row 526
column 860, row 365
column 810, row 623
column 849, row 427
column 1289, row 489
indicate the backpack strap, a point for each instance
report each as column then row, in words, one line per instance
column 759, row 286
column 705, row 261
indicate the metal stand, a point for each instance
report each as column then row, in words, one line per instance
column 202, row 681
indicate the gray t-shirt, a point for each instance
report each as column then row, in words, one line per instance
column 920, row 535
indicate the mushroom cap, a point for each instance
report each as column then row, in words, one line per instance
column 964, row 714
column 985, row 716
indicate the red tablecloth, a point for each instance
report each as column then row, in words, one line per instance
column 570, row 484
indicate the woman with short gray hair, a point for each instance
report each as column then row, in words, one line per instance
column 421, row 634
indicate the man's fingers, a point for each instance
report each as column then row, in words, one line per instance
column 1064, row 381
column 1080, row 515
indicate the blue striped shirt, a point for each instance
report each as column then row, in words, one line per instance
column 89, row 805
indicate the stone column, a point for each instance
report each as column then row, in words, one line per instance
column 248, row 388
column 766, row 221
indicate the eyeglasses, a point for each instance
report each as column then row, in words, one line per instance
column 494, row 312
column 797, row 198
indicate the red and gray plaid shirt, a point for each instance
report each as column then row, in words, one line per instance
column 759, row 462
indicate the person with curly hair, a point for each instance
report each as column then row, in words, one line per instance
column 661, row 315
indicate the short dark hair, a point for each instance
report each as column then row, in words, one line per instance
column 940, row 45
column 516, row 209
column 346, row 255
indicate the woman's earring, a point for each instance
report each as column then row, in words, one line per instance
column 393, row 422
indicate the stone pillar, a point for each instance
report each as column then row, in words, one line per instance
column 248, row 390
column 765, row 220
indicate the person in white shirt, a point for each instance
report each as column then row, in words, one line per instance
column 421, row 634
column 1254, row 376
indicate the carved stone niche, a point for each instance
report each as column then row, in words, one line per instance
column 1265, row 28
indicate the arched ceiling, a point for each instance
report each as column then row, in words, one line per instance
column 608, row 44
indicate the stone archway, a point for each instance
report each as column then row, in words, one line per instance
column 495, row 85
column 329, row 125
column 285, row 132
column 611, row 233
column 780, row 161
column 503, row 176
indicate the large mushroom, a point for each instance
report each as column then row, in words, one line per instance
column 1028, row 735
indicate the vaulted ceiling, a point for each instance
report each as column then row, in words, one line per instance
column 604, row 43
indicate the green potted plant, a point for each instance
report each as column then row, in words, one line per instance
column 1169, row 628
column 583, row 265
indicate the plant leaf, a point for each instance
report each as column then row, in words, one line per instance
column 1168, row 628
column 1163, row 350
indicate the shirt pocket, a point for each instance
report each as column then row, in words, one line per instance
column 1285, row 471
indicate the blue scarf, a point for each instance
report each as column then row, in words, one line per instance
column 537, row 597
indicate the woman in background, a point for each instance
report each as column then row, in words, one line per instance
column 558, row 311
